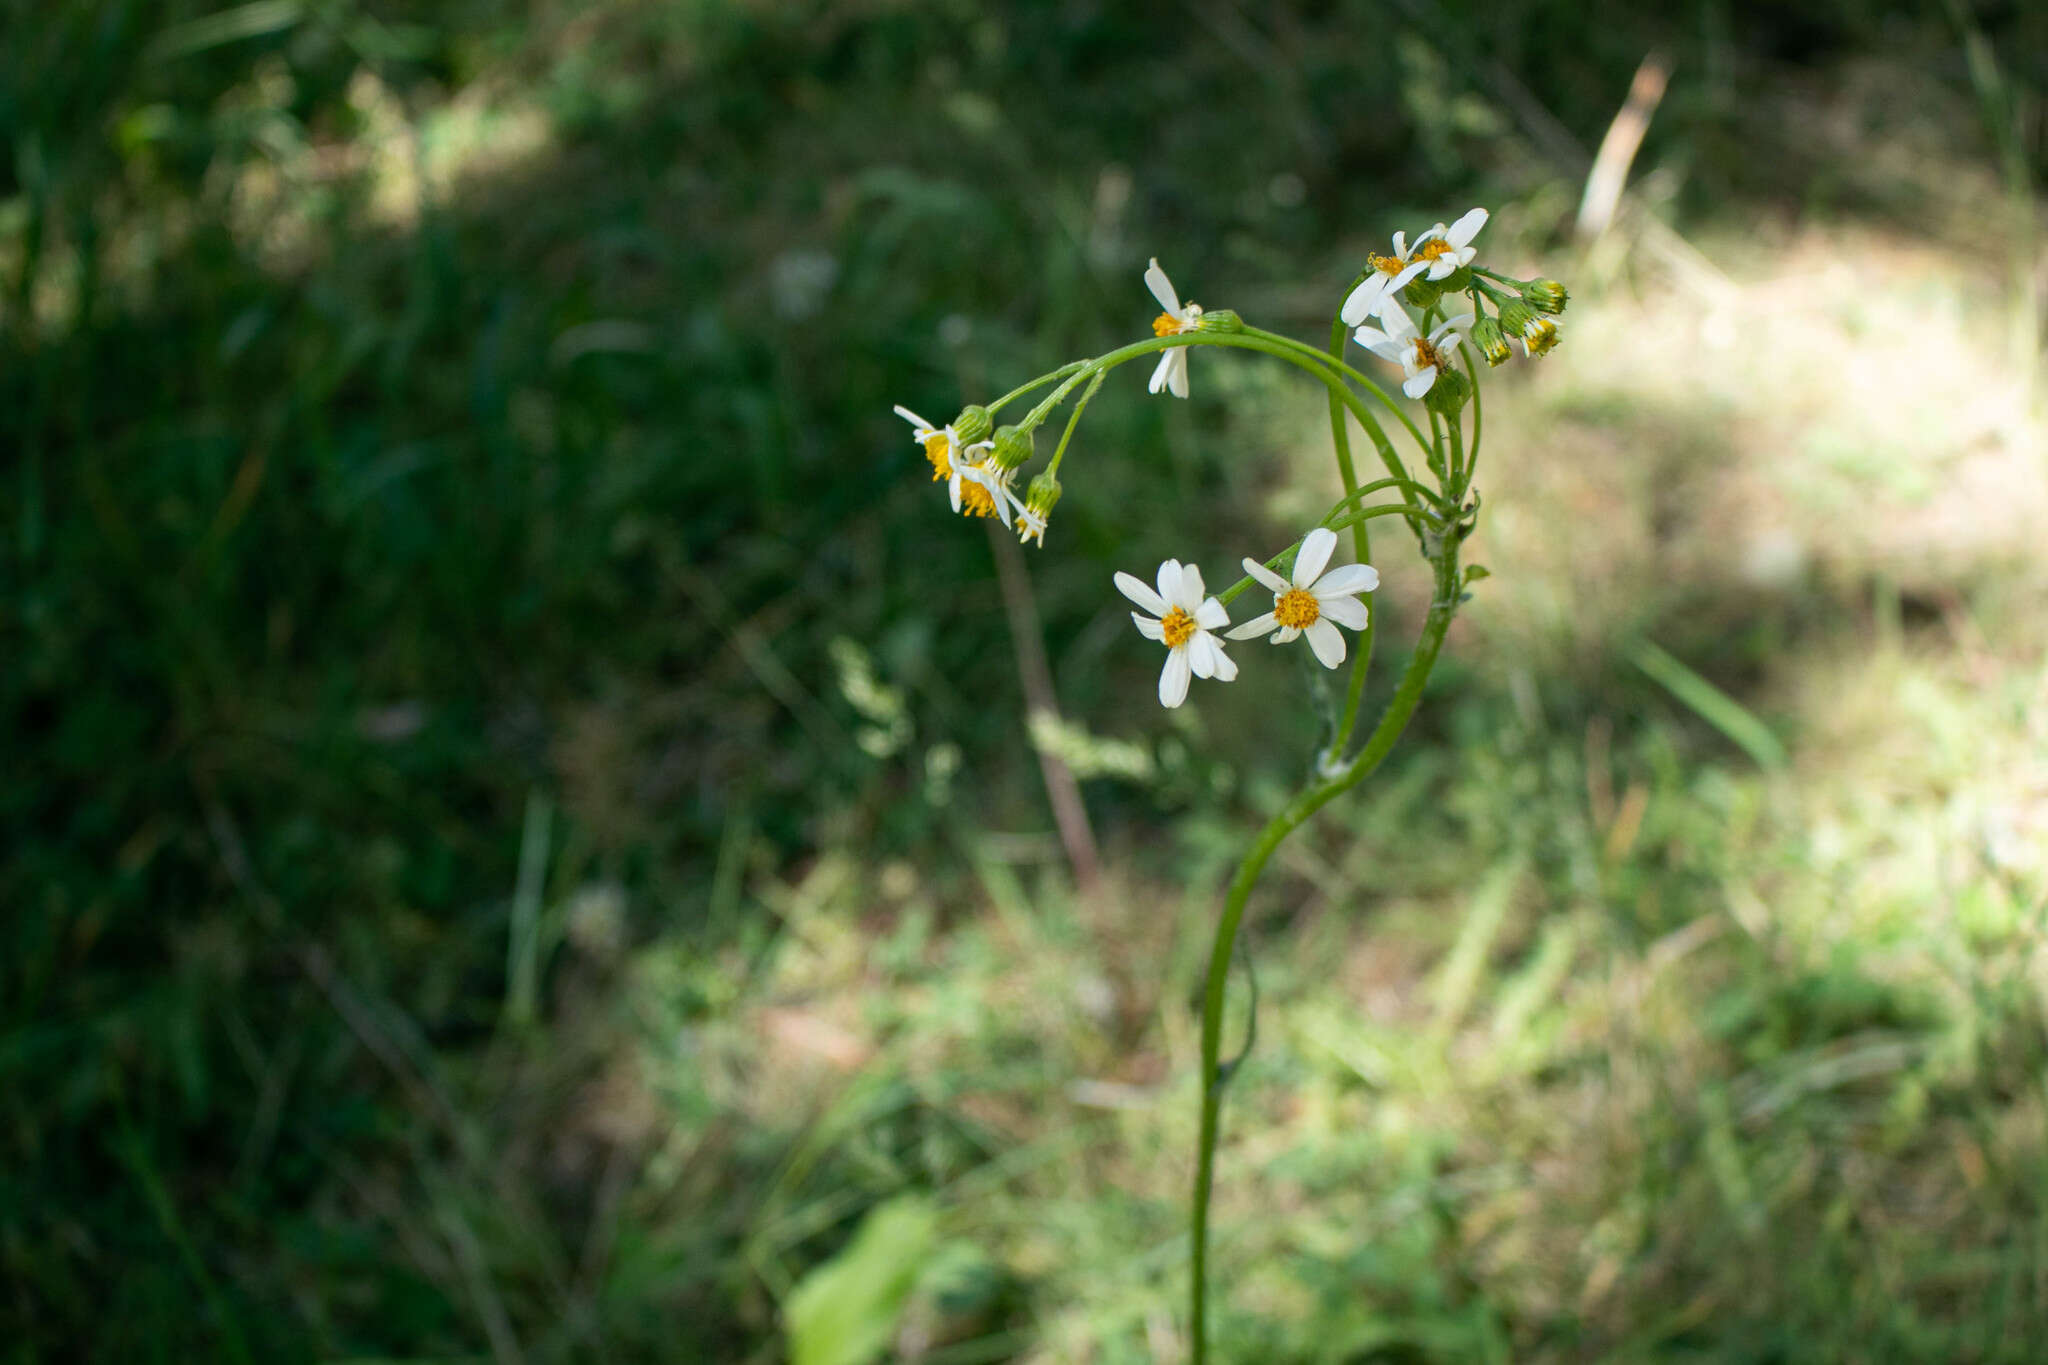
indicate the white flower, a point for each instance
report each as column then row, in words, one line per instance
column 1172, row 373
column 1438, row 252
column 1445, row 249
column 1309, row 605
column 1184, row 619
column 973, row 483
column 1420, row 357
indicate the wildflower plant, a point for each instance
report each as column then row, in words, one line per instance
column 1426, row 308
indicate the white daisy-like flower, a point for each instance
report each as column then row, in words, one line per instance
column 1172, row 373
column 1030, row 525
column 1444, row 249
column 973, row 484
column 1182, row 619
column 1390, row 275
column 1420, row 357
column 1310, row 602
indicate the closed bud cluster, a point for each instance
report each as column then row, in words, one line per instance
column 972, row 424
column 1492, row 344
column 1219, row 320
column 1545, row 296
column 1013, row 446
column 1515, row 318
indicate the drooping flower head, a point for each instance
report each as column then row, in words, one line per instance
column 1310, row 602
column 1172, row 372
column 1182, row 619
column 1420, row 357
column 974, row 486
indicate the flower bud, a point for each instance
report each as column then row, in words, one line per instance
column 972, row 424
column 1515, row 318
column 1219, row 320
column 1043, row 493
column 1013, row 446
column 1487, row 336
column 1449, row 392
column 1422, row 291
column 1540, row 336
column 1547, row 296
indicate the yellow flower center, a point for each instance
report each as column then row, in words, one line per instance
column 939, row 451
column 1427, row 356
column 1165, row 325
column 1387, row 265
column 1433, row 248
column 1177, row 628
column 1296, row 609
column 975, row 500
column 1540, row 335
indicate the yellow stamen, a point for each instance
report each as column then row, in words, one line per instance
column 1433, row 248
column 1177, row 628
column 976, row 500
column 1165, row 325
column 1296, row 609
column 1427, row 356
column 1387, row 265
column 939, row 451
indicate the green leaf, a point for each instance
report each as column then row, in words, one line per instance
column 845, row 1311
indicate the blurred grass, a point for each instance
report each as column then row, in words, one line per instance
column 518, row 827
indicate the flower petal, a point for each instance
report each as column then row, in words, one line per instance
column 1327, row 641
column 1212, row 615
column 1400, row 246
column 1139, row 591
column 1418, row 383
column 1436, row 230
column 1148, row 627
column 1226, row 667
column 1346, row 579
column 1443, row 267
column 1168, row 582
column 1286, row 635
column 907, row 415
column 953, row 488
column 1257, row 626
column 1173, row 679
column 1201, row 652
column 1265, row 577
column 1314, row 554
column 1161, row 373
column 1162, row 288
column 1177, row 374
column 1466, row 228
column 1380, row 344
column 1192, row 590
column 1456, row 322
column 1359, row 303
column 1345, row 611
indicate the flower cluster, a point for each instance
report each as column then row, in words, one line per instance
column 1415, row 307
column 1307, row 603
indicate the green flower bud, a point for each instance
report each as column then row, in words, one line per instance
column 1515, row 318
column 1546, row 296
column 972, row 424
column 1487, row 336
column 1422, row 291
column 1043, row 494
column 1449, row 392
column 1219, row 320
column 1013, row 446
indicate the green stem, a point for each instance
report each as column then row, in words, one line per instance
column 1061, row 373
column 1060, row 451
column 1392, row 722
column 1361, row 661
column 1337, row 364
column 1478, row 421
column 1392, row 509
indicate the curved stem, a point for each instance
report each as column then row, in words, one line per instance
column 1074, row 420
column 1478, row 420
column 1334, row 523
column 1392, row 722
column 1336, row 363
column 1061, row 373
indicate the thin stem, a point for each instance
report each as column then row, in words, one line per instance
column 1392, row 722
column 1361, row 661
column 1478, row 419
column 1061, row 373
column 1081, row 406
column 1324, row 358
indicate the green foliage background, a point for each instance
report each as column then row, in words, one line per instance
column 440, row 447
